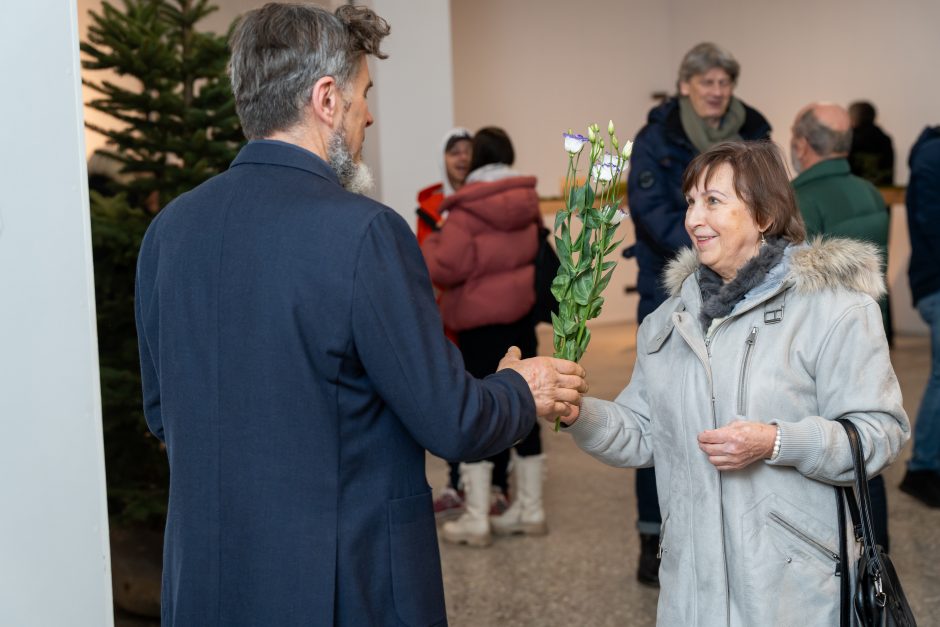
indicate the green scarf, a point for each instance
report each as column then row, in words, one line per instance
column 704, row 136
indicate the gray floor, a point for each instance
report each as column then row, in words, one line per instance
column 582, row 573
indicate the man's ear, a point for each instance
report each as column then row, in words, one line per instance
column 325, row 100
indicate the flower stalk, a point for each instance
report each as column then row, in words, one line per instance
column 584, row 232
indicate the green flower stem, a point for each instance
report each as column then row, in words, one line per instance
column 585, row 253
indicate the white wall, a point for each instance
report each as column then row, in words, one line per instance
column 412, row 101
column 54, row 558
column 538, row 68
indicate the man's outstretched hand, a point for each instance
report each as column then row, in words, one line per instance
column 556, row 384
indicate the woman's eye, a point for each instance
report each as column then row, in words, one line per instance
column 712, row 200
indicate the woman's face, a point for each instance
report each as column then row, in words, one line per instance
column 721, row 226
column 709, row 93
column 457, row 162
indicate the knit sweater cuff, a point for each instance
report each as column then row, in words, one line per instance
column 801, row 445
column 591, row 426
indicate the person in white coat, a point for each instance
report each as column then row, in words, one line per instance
column 740, row 375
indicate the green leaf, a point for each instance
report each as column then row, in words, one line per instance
column 594, row 309
column 592, row 218
column 588, row 193
column 585, row 341
column 611, row 248
column 557, row 324
column 563, row 248
column 560, row 285
column 576, row 199
column 581, row 288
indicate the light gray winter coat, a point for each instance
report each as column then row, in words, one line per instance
column 758, row 546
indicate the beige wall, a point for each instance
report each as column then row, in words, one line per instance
column 537, row 68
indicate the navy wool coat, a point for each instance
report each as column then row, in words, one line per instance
column 294, row 363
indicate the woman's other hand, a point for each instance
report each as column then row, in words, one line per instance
column 738, row 444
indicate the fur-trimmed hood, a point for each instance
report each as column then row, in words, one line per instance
column 821, row 264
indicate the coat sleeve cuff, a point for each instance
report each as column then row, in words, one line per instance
column 591, row 426
column 801, row 445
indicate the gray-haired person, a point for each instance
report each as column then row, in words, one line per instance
column 293, row 360
column 702, row 114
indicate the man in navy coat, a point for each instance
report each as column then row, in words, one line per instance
column 294, row 362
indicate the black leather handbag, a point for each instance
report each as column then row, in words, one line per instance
column 877, row 600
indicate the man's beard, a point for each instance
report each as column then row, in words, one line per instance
column 797, row 166
column 355, row 177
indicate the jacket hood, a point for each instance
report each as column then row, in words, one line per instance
column 821, row 264
column 929, row 134
column 457, row 132
column 506, row 204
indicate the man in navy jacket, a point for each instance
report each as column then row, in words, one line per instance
column 294, row 362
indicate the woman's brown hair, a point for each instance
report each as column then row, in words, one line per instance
column 759, row 179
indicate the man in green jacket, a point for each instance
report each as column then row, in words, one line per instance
column 833, row 201
column 836, row 203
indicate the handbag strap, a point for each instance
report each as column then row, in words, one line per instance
column 845, row 593
column 859, row 501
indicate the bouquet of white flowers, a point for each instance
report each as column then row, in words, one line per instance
column 584, row 232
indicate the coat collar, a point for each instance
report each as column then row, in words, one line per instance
column 823, row 169
column 822, row 264
column 274, row 152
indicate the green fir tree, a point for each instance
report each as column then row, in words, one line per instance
column 176, row 127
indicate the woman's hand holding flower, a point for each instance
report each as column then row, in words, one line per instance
column 738, row 444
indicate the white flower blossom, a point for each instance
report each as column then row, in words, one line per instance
column 618, row 217
column 607, row 169
column 574, row 143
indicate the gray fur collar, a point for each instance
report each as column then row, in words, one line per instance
column 821, row 264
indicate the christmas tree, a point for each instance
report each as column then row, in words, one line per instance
column 175, row 127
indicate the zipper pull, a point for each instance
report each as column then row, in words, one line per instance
column 753, row 336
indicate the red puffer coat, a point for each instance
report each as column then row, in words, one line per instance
column 484, row 254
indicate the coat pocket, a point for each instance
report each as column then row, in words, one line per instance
column 417, row 585
column 795, row 536
column 806, row 541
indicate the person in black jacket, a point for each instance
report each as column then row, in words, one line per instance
column 872, row 153
column 702, row 114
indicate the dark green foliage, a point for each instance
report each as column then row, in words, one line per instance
column 180, row 122
column 179, row 129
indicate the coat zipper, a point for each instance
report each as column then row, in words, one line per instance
column 742, row 383
column 721, row 505
column 796, row 531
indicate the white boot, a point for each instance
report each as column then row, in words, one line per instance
column 473, row 526
column 526, row 514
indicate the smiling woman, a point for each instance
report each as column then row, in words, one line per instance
column 732, row 209
column 740, row 376
column 703, row 113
